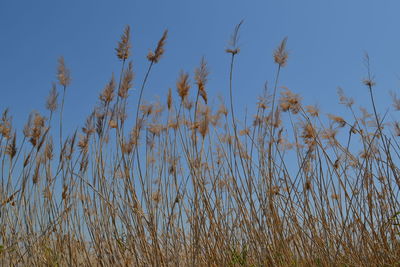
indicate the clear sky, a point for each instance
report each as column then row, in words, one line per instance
column 326, row 40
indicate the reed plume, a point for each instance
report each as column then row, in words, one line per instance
column 201, row 75
column 280, row 54
column 63, row 73
column 107, row 95
column 182, row 85
column 126, row 82
column 159, row 51
column 51, row 103
column 124, row 45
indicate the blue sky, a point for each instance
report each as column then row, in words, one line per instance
column 326, row 41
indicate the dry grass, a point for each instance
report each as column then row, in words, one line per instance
column 192, row 186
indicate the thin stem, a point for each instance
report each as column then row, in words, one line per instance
column 61, row 114
column 230, row 92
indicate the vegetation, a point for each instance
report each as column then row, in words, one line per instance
column 187, row 184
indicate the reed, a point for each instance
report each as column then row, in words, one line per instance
column 191, row 185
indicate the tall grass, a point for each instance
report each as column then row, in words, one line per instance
column 191, row 185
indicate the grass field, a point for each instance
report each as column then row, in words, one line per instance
column 183, row 183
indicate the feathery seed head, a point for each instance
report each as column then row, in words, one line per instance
column 83, row 143
column 159, row 51
column 51, row 103
column 108, row 92
column 395, row 101
column 204, row 123
column 290, row 101
column 169, row 99
column 369, row 81
column 63, row 74
column 201, row 74
column 336, row 119
column 146, row 109
column 183, row 85
column 48, row 151
column 89, row 127
column 348, row 102
column 233, row 47
column 309, row 134
column 35, row 177
column 5, row 125
column 329, row 134
column 280, row 54
column 312, row 110
column 113, row 124
column 36, row 125
column 126, row 82
column 124, row 46
column 11, row 149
